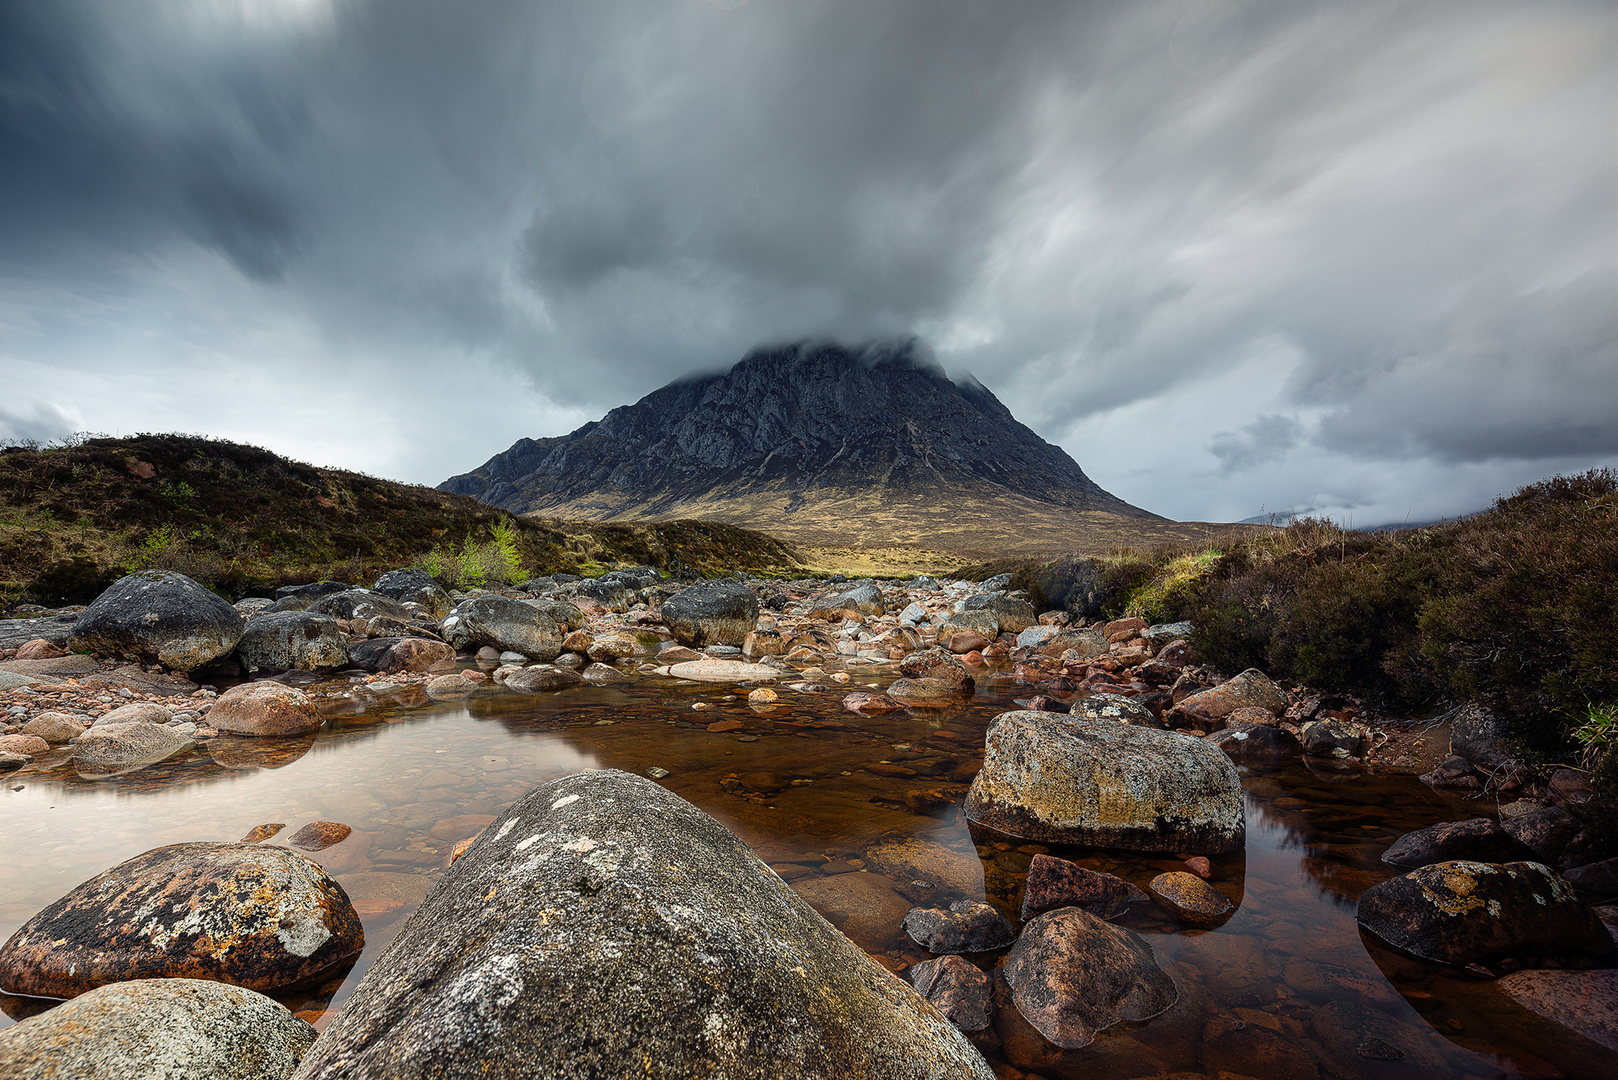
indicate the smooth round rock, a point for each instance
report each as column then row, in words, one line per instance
column 1073, row 975
column 710, row 669
column 446, row 687
column 540, row 677
column 269, row 709
column 293, row 639
column 114, row 748
column 1459, row 912
column 158, row 1029
column 1478, row 839
column 360, row 605
column 394, row 655
column 1188, row 898
column 158, row 616
column 603, row 926
column 1050, row 776
column 259, row 917
column 54, row 727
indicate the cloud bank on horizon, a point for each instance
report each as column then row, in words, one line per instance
column 1358, row 256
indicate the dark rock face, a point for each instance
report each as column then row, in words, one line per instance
column 1073, row 975
column 1253, row 742
column 965, row 926
column 603, row 926
column 360, row 604
column 1458, row 912
column 1480, row 840
column 148, row 1028
column 610, row 592
column 414, row 586
column 159, row 616
column 719, row 612
column 1547, row 832
column 1114, row 707
column 1056, row 883
column 1335, row 738
column 308, row 594
column 259, row 917
column 293, row 639
column 505, row 624
column 1480, row 737
column 799, row 421
column 1049, row 776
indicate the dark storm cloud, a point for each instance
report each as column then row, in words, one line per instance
column 1306, row 250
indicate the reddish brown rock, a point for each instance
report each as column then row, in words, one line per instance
column 1190, row 899
column 1056, row 883
column 259, row 833
column 867, row 704
column 939, row 667
column 890, row 770
column 253, row 916
column 54, row 727
column 1252, row 688
column 1073, row 975
column 958, row 990
column 38, row 649
column 264, row 709
column 31, row 745
column 539, row 677
column 396, row 655
column 319, row 835
column 722, row 726
column 966, row 641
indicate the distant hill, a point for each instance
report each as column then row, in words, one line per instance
column 822, row 444
column 74, row 518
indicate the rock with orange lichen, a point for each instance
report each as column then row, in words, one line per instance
column 1459, row 912
column 254, row 916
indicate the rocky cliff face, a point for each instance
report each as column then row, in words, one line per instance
column 791, row 431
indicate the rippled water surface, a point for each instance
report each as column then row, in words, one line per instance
column 1285, row 988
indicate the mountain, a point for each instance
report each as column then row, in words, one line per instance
column 820, row 444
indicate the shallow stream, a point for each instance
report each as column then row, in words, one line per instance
column 1285, row 988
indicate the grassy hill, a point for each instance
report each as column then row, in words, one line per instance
column 75, row 517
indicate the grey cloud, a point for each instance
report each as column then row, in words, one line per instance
column 43, row 423
column 1102, row 209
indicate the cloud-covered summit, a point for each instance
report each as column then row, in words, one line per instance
column 1350, row 254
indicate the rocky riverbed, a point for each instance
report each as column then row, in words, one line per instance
column 886, row 750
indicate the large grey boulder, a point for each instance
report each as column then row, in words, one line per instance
column 293, row 639
column 1012, row 614
column 1095, row 783
column 865, row 599
column 158, row 616
column 719, row 612
column 112, row 749
column 158, row 1029
column 612, row 593
column 603, row 926
column 259, row 917
column 504, row 624
column 411, row 586
column 361, row 604
column 1458, row 912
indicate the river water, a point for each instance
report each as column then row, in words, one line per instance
column 1285, row 988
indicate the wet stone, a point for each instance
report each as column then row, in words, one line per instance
column 319, row 835
column 965, row 926
column 1056, row 883
column 1479, row 839
column 1189, row 899
column 957, row 989
column 254, row 916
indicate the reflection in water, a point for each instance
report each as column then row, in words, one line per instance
column 860, row 813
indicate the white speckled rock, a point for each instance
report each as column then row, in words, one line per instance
column 709, row 669
column 1097, row 783
column 603, row 926
column 158, row 1029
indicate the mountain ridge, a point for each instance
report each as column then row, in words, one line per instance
column 792, row 438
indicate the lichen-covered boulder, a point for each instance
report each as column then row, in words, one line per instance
column 1053, row 777
column 504, row 624
column 1073, row 975
column 1189, row 899
column 266, row 709
column 931, row 676
column 159, row 616
column 719, row 612
column 293, row 639
column 603, row 926
column 158, row 1029
column 1477, row 839
column 965, row 926
column 1011, row 614
column 1458, row 912
column 411, row 586
column 1114, row 707
column 958, row 989
column 861, row 599
column 259, row 917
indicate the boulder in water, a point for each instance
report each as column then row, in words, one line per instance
column 719, row 612
column 1477, row 839
column 266, row 709
column 602, row 926
column 1049, row 776
column 293, row 639
column 159, row 616
column 187, row 1029
column 259, row 917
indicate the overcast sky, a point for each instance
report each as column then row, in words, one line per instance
column 1354, row 256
